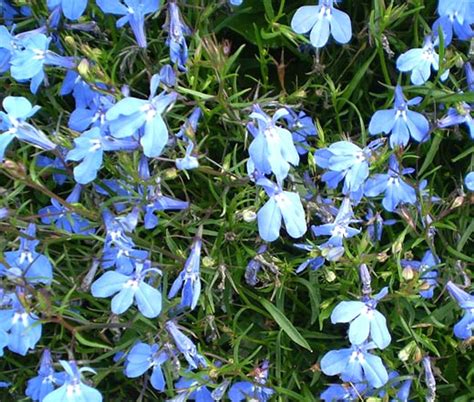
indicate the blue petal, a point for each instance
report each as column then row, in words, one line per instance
column 269, row 220
column 155, row 137
column 335, row 361
column 346, row 311
column 73, row 9
column 341, row 28
column 148, row 300
column 359, row 329
column 157, row 379
column 122, row 301
column 293, row 214
column 108, row 284
column 378, row 330
column 320, row 33
column 382, row 121
column 374, row 370
column 304, row 19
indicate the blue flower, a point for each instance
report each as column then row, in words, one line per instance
column 469, row 76
column 236, row 3
column 89, row 150
column 22, row 327
column 141, row 358
column 315, row 261
column 356, row 364
column 118, row 227
column 176, row 41
column 133, row 12
column 26, row 262
column 129, row 289
column 343, row 392
column 73, row 389
column 426, row 272
column 72, row 9
column 272, row 150
column 430, row 379
column 365, row 321
column 189, row 279
column 13, row 125
column 338, row 230
column 375, row 224
column 194, row 389
column 301, row 126
column 131, row 115
column 245, row 390
column 63, row 217
column 28, row 63
column 322, row 20
column 396, row 190
column 469, row 181
column 400, row 122
column 457, row 16
column 420, row 61
column 282, row 205
column 459, row 115
column 185, row 346
column 56, row 164
column 44, row 383
column 254, row 266
column 345, row 161
column 463, row 329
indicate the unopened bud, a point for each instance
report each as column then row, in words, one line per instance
column 408, row 273
column 249, row 216
column 17, row 170
column 83, row 68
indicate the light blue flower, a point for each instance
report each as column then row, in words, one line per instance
column 257, row 390
column 322, row 20
column 72, row 9
column 73, row 389
column 272, row 149
column 301, row 126
column 343, row 392
column 129, row 289
column 141, row 358
column 427, row 273
column 185, row 346
column 400, row 122
column 189, row 278
column 395, row 189
column 420, row 61
column 365, row 321
column 282, row 205
column 132, row 12
column 469, row 181
column 28, row 61
column 26, row 263
column 356, row 365
column 463, row 329
column 13, row 125
column 63, row 217
column 461, row 114
column 194, row 389
column 46, row 380
column 131, row 116
column 457, row 16
column 176, row 41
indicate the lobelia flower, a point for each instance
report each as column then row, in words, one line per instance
column 396, row 190
column 400, row 122
column 185, row 346
column 272, row 149
column 65, row 218
column 429, row 379
column 26, row 262
column 322, row 20
column 420, row 61
column 463, row 329
column 177, row 31
column 84, row 95
column 56, row 164
column 73, row 389
column 219, row 392
column 129, row 289
column 190, row 278
column 356, row 364
column 133, row 12
column 246, row 390
column 91, row 113
column 343, row 392
column 469, row 181
column 141, row 358
column 461, row 114
column 338, row 230
column 282, row 205
column 28, row 63
column 375, row 224
column 22, row 328
column 194, row 389
column 469, row 76
column 89, row 150
column 365, row 321
column 188, row 132
column 44, row 383
column 72, row 9
column 13, row 125
column 315, row 261
column 427, row 274
column 131, row 115
column 457, row 16
column 236, row 3
column 117, row 227
column 301, row 126
column 346, row 161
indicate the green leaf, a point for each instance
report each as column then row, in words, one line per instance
column 285, row 324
